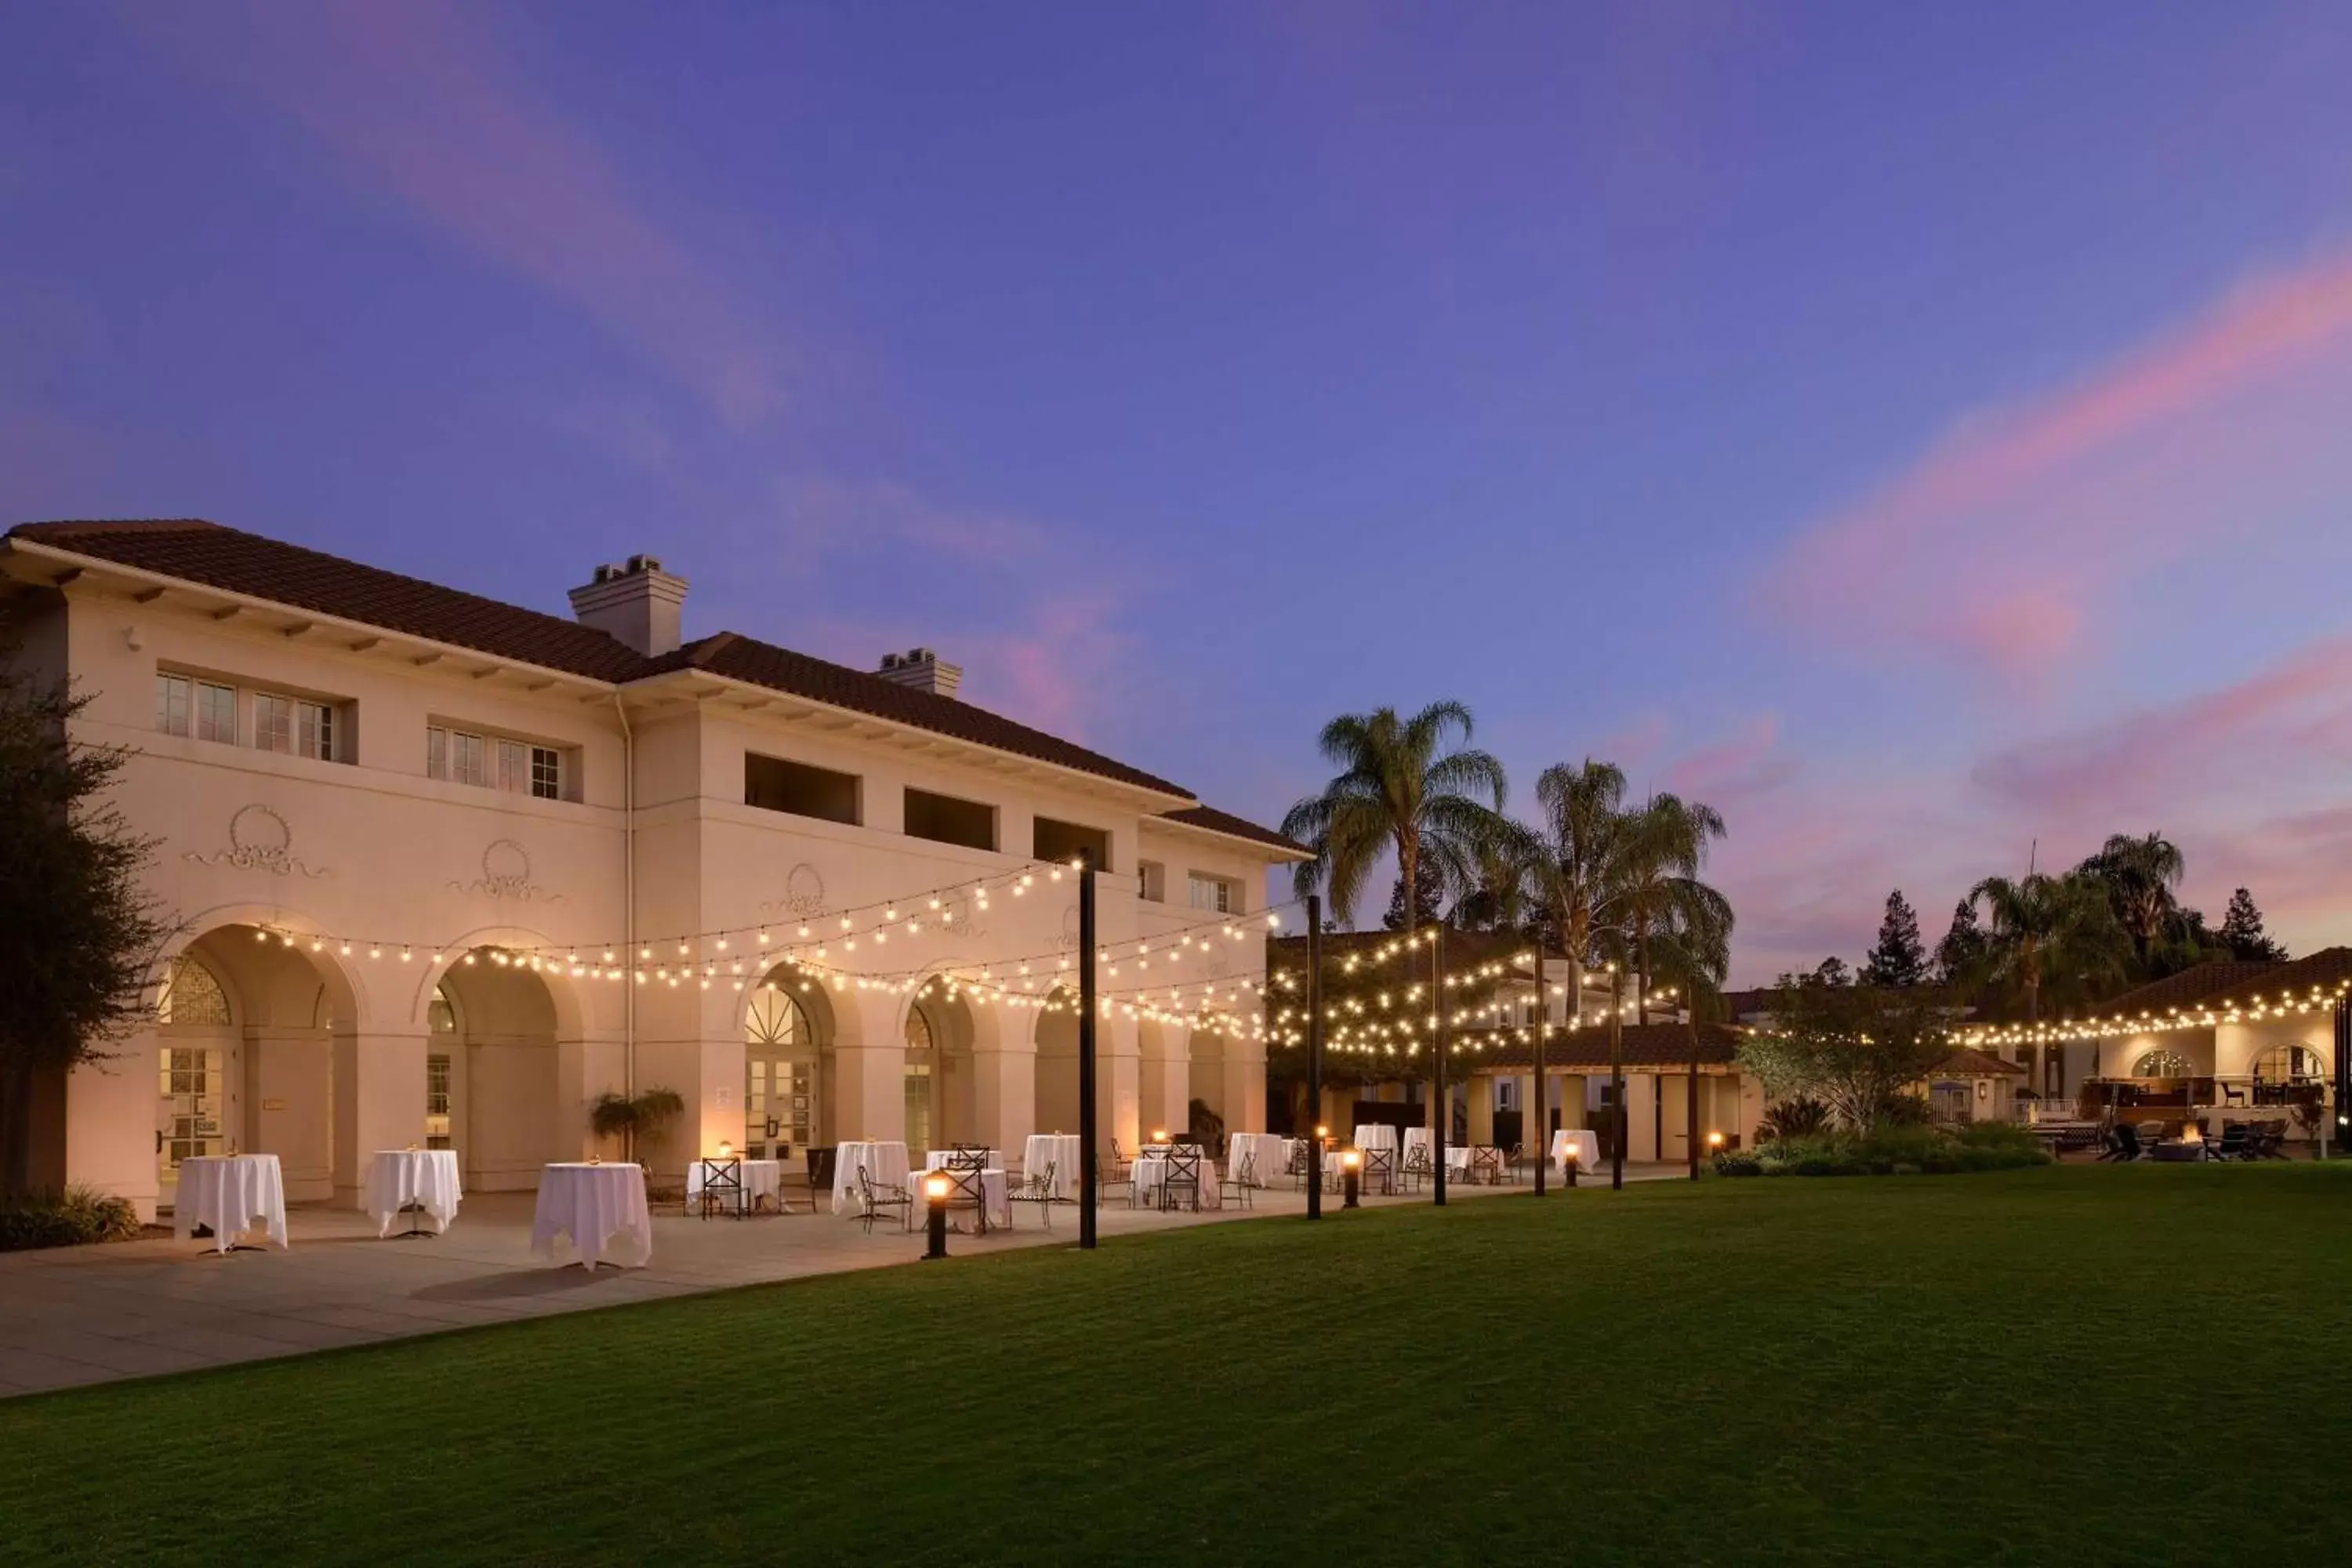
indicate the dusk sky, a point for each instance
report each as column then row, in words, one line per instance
column 1914, row 430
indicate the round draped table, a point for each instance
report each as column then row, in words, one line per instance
column 762, row 1179
column 228, row 1193
column 593, row 1205
column 426, row 1178
column 1152, row 1176
column 1587, row 1144
column 1267, row 1155
column 1059, row 1149
column 995, row 1196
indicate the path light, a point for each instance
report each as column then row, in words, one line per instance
column 1351, row 1166
column 935, row 1198
column 1571, row 1156
column 1715, row 1142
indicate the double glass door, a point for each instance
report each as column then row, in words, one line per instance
column 777, row 1107
column 191, row 1112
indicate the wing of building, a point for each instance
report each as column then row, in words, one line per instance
column 444, row 871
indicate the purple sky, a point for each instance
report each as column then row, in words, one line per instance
column 1915, row 430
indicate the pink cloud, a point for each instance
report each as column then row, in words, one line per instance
column 415, row 101
column 2001, row 544
column 1735, row 770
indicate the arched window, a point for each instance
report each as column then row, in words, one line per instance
column 192, row 995
column 779, row 1075
column 2289, row 1064
column 2161, row 1064
column 774, row 1019
column 441, row 1013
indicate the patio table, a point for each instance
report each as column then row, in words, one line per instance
column 425, row 1177
column 885, row 1162
column 1152, row 1174
column 994, row 1194
column 1272, row 1154
column 593, row 1205
column 1371, row 1135
column 228, row 1192
column 762, row 1179
column 1059, row 1149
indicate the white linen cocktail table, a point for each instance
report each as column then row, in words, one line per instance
column 592, row 1204
column 885, row 1162
column 227, row 1194
column 1586, row 1143
column 425, row 1177
column 1266, row 1152
column 762, row 1179
column 1059, row 1149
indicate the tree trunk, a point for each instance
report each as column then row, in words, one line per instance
column 1642, row 971
column 16, row 1127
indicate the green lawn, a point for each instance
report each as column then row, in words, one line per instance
column 2133, row 1365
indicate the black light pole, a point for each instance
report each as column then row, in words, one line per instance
column 1617, row 1123
column 1444, row 1108
column 2343, row 1074
column 1541, row 1109
column 1314, row 1055
column 1089, row 1189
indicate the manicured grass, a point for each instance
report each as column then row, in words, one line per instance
column 2135, row 1364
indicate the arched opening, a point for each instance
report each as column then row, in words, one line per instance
column 2160, row 1064
column 1208, row 1080
column 244, row 1047
column 788, row 1066
column 939, row 1081
column 492, row 1072
column 2289, row 1064
column 1056, row 1038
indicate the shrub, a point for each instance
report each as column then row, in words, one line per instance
column 1738, row 1163
column 74, row 1218
column 1901, row 1150
column 1798, row 1118
column 1908, row 1110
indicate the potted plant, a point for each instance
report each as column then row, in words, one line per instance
column 630, row 1118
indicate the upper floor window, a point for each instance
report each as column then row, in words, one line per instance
column 294, row 725
column 944, row 819
column 1053, row 840
column 773, row 784
column 518, row 767
column 1221, row 894
column 1151, row 882
column 203, row 708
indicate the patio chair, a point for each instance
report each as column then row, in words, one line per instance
column 1416, row 1170
column 820, row 1168
column 2151, row 1133
column 1037, row 1188
column 2266, row 1141
column 1122, row 1169
column 967, row 1189
column 1113, row 1175
column 1485, row 1167
column 1301, row 1151
column 874, row 1197
column 1243, row 1179
column 1380, row 1171
column 722, row 1187
column 1512, row 1167
column 1183, row 1176
column 2233, row 1094
column 2123, row 1143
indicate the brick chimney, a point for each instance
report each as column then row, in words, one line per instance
column 922, row 670
column 638, row 603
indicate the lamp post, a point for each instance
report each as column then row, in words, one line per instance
column 1089, row 1181
column 1440, row 1104
column 1315, row 1052
column 935, row 1202
column 1540, row 1140
column 1351, row 1164
column 1617, row 1123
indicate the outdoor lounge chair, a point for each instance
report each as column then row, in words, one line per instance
column 873, row 1199
column 2123, row 1143
column 2236, row 1140
column 2266, row 1141
column 1035, row 1188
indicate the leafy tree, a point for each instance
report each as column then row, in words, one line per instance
column 2241, row 931
column 2055, row 936
column 1428, row 901
column 1961, row 956
column 80, row 932
column 1831, row 971
column 1857, row 1049
column 1900, row 958
column 1399, row 789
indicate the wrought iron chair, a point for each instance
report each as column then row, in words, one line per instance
column 721, row 1187
column 1416, row 1170
column 1380, row 1171
column 967, row 1189
column 1486, row 1168
column 1036, row 1187
column 1512, row 1158
column 1243, row 1180
column 2266, row 1141
column 1182, row 1175
column 1295, row 1166
column 1115, row 1173
column 820, row 1168
column 874, row 1197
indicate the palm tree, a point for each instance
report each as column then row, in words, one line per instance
column 1574, row 868
column 2139, row 876
column 1399, row 789
column 1662, row 850
column 2051, row 932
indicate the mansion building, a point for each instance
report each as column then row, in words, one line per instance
column 443, row 871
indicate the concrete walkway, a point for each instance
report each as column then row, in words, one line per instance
column 95, row 1314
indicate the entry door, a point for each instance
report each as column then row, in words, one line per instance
column 778, row 1106
column 191, row 1113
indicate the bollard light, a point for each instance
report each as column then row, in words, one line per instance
column 1321, row 1131
column 1572, row 1155
column 935, row 1197
column 1351, row 1166
column 1715, row 1142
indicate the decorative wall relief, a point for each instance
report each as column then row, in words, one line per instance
column 956, row 914
column 258, row 840
column 506, row 874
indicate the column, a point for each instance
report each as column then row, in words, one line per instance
column 110, row 1123
column 1243, row 1073
column 1118, row 1098
column 1482, row 1109
column 379, row 1099
column 1164, row 1076
column 1005, row 1097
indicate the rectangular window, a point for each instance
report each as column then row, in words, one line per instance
column 273, row 722
column 944, row 819
column 314, row 730
column 1216, row 893
column 1065, row 841
column 547, row 772
column 518, row 767
column 437, row 1101
column 514, row 767
column 175, row 699
column 468, row 758
column 773, row 784
column 1151, row 882
column 216, row 712
column 437, row 753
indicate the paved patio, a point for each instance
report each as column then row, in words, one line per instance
column 94, row 1314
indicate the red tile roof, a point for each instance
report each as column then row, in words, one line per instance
column 1232, row 826
column 1648, row 1047
column 231, row 561
column 1969, row 1062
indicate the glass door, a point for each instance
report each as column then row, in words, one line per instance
column 777, row 1095
column 190, row 1112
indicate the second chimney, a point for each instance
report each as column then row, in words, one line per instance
column 638, row 603
column 922, row 670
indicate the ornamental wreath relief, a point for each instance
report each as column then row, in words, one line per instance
column 258, row 840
